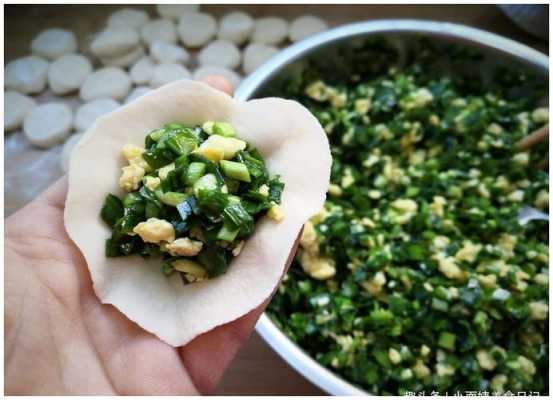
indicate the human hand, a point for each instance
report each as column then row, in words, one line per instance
column 59, row 338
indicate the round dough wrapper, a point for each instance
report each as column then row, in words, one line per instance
column 209, row 70
column 167, row 53
column 236, row 27
column 159, row 29
column 128, row 18
column 256, row 54
column 305, row 26
column 111, row 82
column 114, row 42
column 67, row 149
column 124, row 60
column 283, row 131
column 16, row 108
column 136, row 93
column 26, row 75
column 89, row 112
column 68, row 73
column 54, row 43
column 141, row 72
column 165, row 73
column 27, row 164
column 48, row 124
column 221, row 53
column 174, row 11
column 196, row 29
column 270, row 30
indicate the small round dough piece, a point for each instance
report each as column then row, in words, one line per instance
column 159, row 29
column 270, row 30
column 48, row 124
column 91, row 111
column 256, row 54
column 167, row 53
column 174, row 11
column 26, row 75
column 141, row 72
column 68, row 73
column 305, row 26
column 128, row 17
column 54, row 43
column 124, row 60
column 68, row 147
column 210, row 70
column 196, row 29
column 236, row 27
column 221, row 53
column 110, row 82
column 136, row 93
column 114, row 42
column 165, row 73
column 16, row 108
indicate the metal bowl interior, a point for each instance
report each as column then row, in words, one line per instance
column 334, row 50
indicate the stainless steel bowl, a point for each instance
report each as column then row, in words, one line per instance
column 324, row 47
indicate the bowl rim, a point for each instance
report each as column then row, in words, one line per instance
column 293, row 354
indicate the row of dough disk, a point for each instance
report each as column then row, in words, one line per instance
column 59, row 90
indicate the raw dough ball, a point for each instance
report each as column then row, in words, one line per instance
column 141, row 72
column 159, row 29
column 124, row 60
column 209, row 70
column 236, row 27
column 26, row 75
column 91, row 111
column 111, row 82
column 136, row 93
column 68, row 147
column 165, row 73
column 256, row 54
column 220, row 53
column 305, row 26
column 54, row 43
column 270, row 30
column 48, row 124
column 115, row 42
column 128, row 18
column 68, row 73
column 16, row 108
column 174, row 11
column 167, row 53
column 196, row 29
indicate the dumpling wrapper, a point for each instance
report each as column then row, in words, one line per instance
column 294, row 146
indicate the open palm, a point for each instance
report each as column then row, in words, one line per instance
column 59, row 338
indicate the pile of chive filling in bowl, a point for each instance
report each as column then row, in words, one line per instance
column 416, row 277
column 194, row 195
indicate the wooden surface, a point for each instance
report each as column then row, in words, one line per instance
column 256, row 369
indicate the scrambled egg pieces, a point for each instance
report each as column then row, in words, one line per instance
column 131, row 177
column 184, row 247
column 134, row 172
column 155, row 230
column 193, row 272
column 317, row 267
column 133, row 154
column 276, row 213
column 405, row 208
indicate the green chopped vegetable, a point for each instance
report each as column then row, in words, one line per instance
column 235, row 170
column 194, row 172
column 190, row 211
